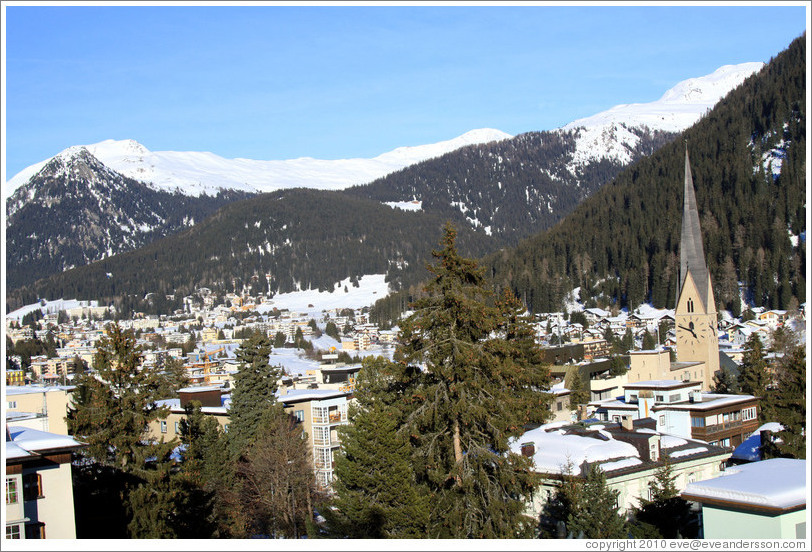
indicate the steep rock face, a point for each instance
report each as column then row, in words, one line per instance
column 75, row 211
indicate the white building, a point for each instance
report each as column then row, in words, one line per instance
column 629, row 454
column 39, row 485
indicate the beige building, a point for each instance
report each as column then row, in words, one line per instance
column 39, row 485
column 39, row 407
column 321, row 411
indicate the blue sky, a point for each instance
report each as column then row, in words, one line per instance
column 279, row 82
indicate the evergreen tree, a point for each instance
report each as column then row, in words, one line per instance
column 725, row 382
column 582, row 507
column 648, row 341
column 579, row 392
column 255, row 386
column 376, row 493
column 595, row 515
column 332, row 331
column 753, row 376
column 472, row 397
column 116, row 403
column 790, row 407
column 126, row 479
column 663, row 508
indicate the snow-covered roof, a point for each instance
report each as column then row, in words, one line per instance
column 34, row 440
column 774, row 484
column 311, row 394
column 708, row 402
column 750, row 448
column 554, row 449
column 660, row 384
column 30, row 389
column 13, row 451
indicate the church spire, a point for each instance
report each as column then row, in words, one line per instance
column 692, row 256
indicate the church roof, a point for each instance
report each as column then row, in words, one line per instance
column 692, row 256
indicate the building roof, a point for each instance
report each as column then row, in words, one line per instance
column 661, row 384
column 299, row 395
column 560, row 443
column 36, row 441
column 30, row 389
column 774, row 485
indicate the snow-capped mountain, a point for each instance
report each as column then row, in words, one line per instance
column 600, row 136
column 505, row 188
column 197, row 173
column 606, row 135
column 76, row 210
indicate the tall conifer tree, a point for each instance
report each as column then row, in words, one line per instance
column 255, row 386
column 472, row 396
column 376, row 493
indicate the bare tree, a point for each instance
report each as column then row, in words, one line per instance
column 277, row 485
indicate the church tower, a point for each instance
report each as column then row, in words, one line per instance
column 695, row 313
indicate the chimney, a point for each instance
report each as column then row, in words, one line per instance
column 528, row 449
column 696, row 396
column 627, row 423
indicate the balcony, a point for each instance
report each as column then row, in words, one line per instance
column 331, row 417
column 713, row 430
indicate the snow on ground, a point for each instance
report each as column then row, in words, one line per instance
column 370, row 288
column 49, row 307
column 413, row 205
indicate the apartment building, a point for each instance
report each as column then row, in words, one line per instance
column 39, row 485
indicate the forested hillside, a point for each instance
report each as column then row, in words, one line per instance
column 513, row 188
column 284, row 241
column 76, row 210
column 620, row 246
column 748, row 161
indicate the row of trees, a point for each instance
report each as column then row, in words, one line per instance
column 254, row 480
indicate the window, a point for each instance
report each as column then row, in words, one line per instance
column 749, row 413
column 659, row 398
column 177, row 428
column 12, row 493
column 691, row 308
column 697, row 422
column 225, row 428
column 35, row 531
column 163, row 426
column 12, row 531
column 12, row 404
column 299, row 415
column 662, row 420
column 559, row 405
column 32, row 486
column 674, row 398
